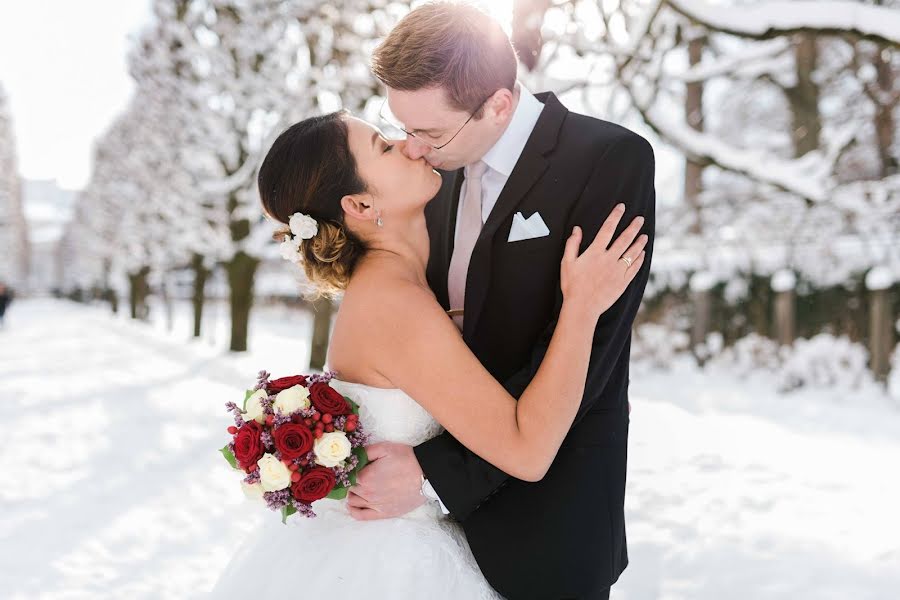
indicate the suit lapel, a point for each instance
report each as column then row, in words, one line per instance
column 442, row 233
column 528, row 170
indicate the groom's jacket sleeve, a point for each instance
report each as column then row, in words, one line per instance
column 624, row 172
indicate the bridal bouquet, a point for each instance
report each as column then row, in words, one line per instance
column 297, row 440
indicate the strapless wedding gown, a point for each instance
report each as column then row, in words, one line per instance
column 420, row 555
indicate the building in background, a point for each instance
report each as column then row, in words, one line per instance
column 47, row 210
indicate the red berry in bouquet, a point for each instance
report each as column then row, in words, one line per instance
column 248, row 447
column 283, row 383
column 328, row 400
column 314, row 484
column 293, row 440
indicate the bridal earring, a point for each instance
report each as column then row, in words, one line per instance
column 378, row 220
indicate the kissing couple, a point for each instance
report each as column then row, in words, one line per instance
column 491, row 264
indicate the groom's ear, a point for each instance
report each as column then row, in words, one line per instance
column 358, row 206
column 499, row 106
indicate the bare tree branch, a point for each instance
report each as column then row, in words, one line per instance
column 766, row 20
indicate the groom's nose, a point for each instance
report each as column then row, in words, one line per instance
column 415, row 149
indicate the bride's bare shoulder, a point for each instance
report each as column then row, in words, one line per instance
column 375, row 315
column 384, row 304
column 387, row 297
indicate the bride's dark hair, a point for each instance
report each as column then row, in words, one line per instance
column 308, row 169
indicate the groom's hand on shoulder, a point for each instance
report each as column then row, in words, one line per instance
column 389, row 486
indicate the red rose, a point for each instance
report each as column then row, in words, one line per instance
column 248, row 447
column 314, row 485
column 292, row 440
column 284, row 383
column 328, row 400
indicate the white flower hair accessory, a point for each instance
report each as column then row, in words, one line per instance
column 302, row 227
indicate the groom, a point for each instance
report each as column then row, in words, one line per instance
column 519, row 171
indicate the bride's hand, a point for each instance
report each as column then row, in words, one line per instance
column 597, row 278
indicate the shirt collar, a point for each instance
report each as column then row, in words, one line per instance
column 504, row 154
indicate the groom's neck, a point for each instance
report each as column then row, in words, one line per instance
column 502, row 129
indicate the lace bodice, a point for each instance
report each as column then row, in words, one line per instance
column 390, row 415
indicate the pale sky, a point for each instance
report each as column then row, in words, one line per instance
column 62, row 64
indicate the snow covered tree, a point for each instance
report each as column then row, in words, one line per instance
column 13, row 229
column 796, row 139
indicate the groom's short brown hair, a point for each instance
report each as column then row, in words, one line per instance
column 449, row 45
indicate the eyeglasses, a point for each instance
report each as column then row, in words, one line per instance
column 388, row 117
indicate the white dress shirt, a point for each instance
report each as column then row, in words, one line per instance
column 500, row 160
column 504, row 154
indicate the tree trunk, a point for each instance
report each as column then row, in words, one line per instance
column 322, row 311
column 527, row 18
column 167, row 301
column 201, row 274
column 885, row 130
column 702, row 300
column 804, row 98
column 880, row 333
column 241, row 269
column 109, row 294
column 139, row 291
column 693, row 111
column 785, row 322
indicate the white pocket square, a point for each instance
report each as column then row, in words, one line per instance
column 527, row 229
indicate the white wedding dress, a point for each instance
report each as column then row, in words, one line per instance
column 420, row 555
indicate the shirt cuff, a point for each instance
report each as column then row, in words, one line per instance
column 428, row 492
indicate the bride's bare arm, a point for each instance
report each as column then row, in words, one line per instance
column 425, row 356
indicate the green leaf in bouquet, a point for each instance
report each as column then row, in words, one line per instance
column 363, row 459
column 354, row 407
column 286, row 511
column 229, row 456
column 338, row 493
column 247, row 395
column 362, row 456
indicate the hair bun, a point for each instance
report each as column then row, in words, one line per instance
column 330, row 257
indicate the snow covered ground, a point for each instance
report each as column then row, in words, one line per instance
column 114, row 489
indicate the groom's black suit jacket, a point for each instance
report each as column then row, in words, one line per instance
column 564, row 536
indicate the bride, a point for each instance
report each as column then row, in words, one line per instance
column 400, row 357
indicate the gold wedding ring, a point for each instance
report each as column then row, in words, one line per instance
column 627, row 260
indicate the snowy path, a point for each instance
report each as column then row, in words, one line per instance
column 114, row 488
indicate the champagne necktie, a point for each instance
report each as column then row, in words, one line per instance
column 467, row 231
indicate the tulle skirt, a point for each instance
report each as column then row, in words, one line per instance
column 422, row 555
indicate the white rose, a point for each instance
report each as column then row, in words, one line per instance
column 254, row 408
column 290, row 249
column 303, row 226
column 253, row 491
column 273, row 474
column 332, row 448
column 291, row 399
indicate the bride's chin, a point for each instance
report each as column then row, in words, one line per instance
column 437, row 179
